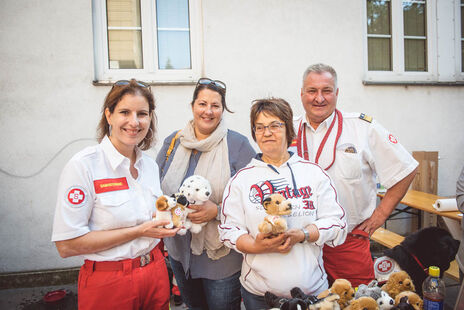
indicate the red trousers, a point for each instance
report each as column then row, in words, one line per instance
column 132, row 287
column 351, row 261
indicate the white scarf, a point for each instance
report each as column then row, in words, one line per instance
column 214, row 166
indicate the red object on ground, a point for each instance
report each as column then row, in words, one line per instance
column 54, row 296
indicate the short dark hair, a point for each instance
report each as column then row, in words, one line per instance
column 277, row 107
column 212, row 87
column 112, row 99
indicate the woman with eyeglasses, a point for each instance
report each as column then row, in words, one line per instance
column 106, row 200
column 207, row 272
column 293, row 258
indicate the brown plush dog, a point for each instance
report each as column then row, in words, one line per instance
column 275, row 205
column 172, row 209
column 328, row 303
column 398, row 282
column 363, row 303
column 413, row 299
column 342, row 288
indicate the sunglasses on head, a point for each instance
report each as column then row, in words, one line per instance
column 127, row 82
column 217, row 83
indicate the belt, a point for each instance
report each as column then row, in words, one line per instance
column 137, row 262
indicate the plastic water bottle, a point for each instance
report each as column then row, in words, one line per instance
column 433, row 289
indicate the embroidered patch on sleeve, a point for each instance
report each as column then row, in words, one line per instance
column 110, row 185
column 365, row 117
column 392, row 139
column 76, row 196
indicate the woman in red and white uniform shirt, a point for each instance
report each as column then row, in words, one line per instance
column 106, row 199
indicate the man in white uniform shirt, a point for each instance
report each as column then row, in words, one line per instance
column 353, row 149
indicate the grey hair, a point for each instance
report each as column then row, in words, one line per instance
column 321, row 68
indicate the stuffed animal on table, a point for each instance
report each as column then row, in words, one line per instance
column 172, row 209
column 275, row 206
column 197, row 190
column 296, row 292
column 403, row 304
column 370, row 290
column 342, row 288
column 284, row 303
column 363, row 303
column 412, row 298
column 330, row 302
column 385, row 302
column 398, row 282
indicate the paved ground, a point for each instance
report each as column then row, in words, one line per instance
column 32, row 298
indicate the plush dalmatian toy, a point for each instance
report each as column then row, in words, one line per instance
column 197, row 190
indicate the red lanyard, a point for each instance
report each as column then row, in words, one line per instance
column 302, row 132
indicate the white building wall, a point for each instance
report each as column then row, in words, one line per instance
column 259, row 48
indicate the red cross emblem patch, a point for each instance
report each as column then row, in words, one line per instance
column 384, row 266
column 76, row 196
column 392, row 139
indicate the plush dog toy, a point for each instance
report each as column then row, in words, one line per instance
column 363, row 303
column 197, row 190
column 342, row 288
column 296, row 292
column 397, row 283
column 330, row 302
column 417, row 247
column 164, row 205
column 403, row 304
column 413, row 299
column 385, row 302
column 370, row 290
column 275, row 205
column 284, row 303
column 172, row 209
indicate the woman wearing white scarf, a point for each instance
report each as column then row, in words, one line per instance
column 207, row 272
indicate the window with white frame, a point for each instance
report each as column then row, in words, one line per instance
column 152, row 40
column 412, row 41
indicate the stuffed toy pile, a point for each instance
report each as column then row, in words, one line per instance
column 396, row 294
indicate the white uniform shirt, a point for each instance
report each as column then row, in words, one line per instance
column 364, row 150
column 314, row 201
column 97, row 192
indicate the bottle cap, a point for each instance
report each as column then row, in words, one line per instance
column 434, row 271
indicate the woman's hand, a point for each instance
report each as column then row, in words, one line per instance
column 271, row 243
column 263, row 243
column 295, row 236
column 155, row 229
column 204, row 213
column 100, row 240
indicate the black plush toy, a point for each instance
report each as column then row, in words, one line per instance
column 296, row 292
column 431, row 246
column 284, row 303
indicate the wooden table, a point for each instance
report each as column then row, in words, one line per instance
column 424, row 202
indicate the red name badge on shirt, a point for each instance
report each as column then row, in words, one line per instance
column 110, row 185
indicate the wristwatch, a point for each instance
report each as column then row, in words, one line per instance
column 306, row 235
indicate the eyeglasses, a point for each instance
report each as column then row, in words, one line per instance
column 273, row 127
column 217, row 83
column 127, row 82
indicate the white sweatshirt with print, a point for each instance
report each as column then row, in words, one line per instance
column 314, row 201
